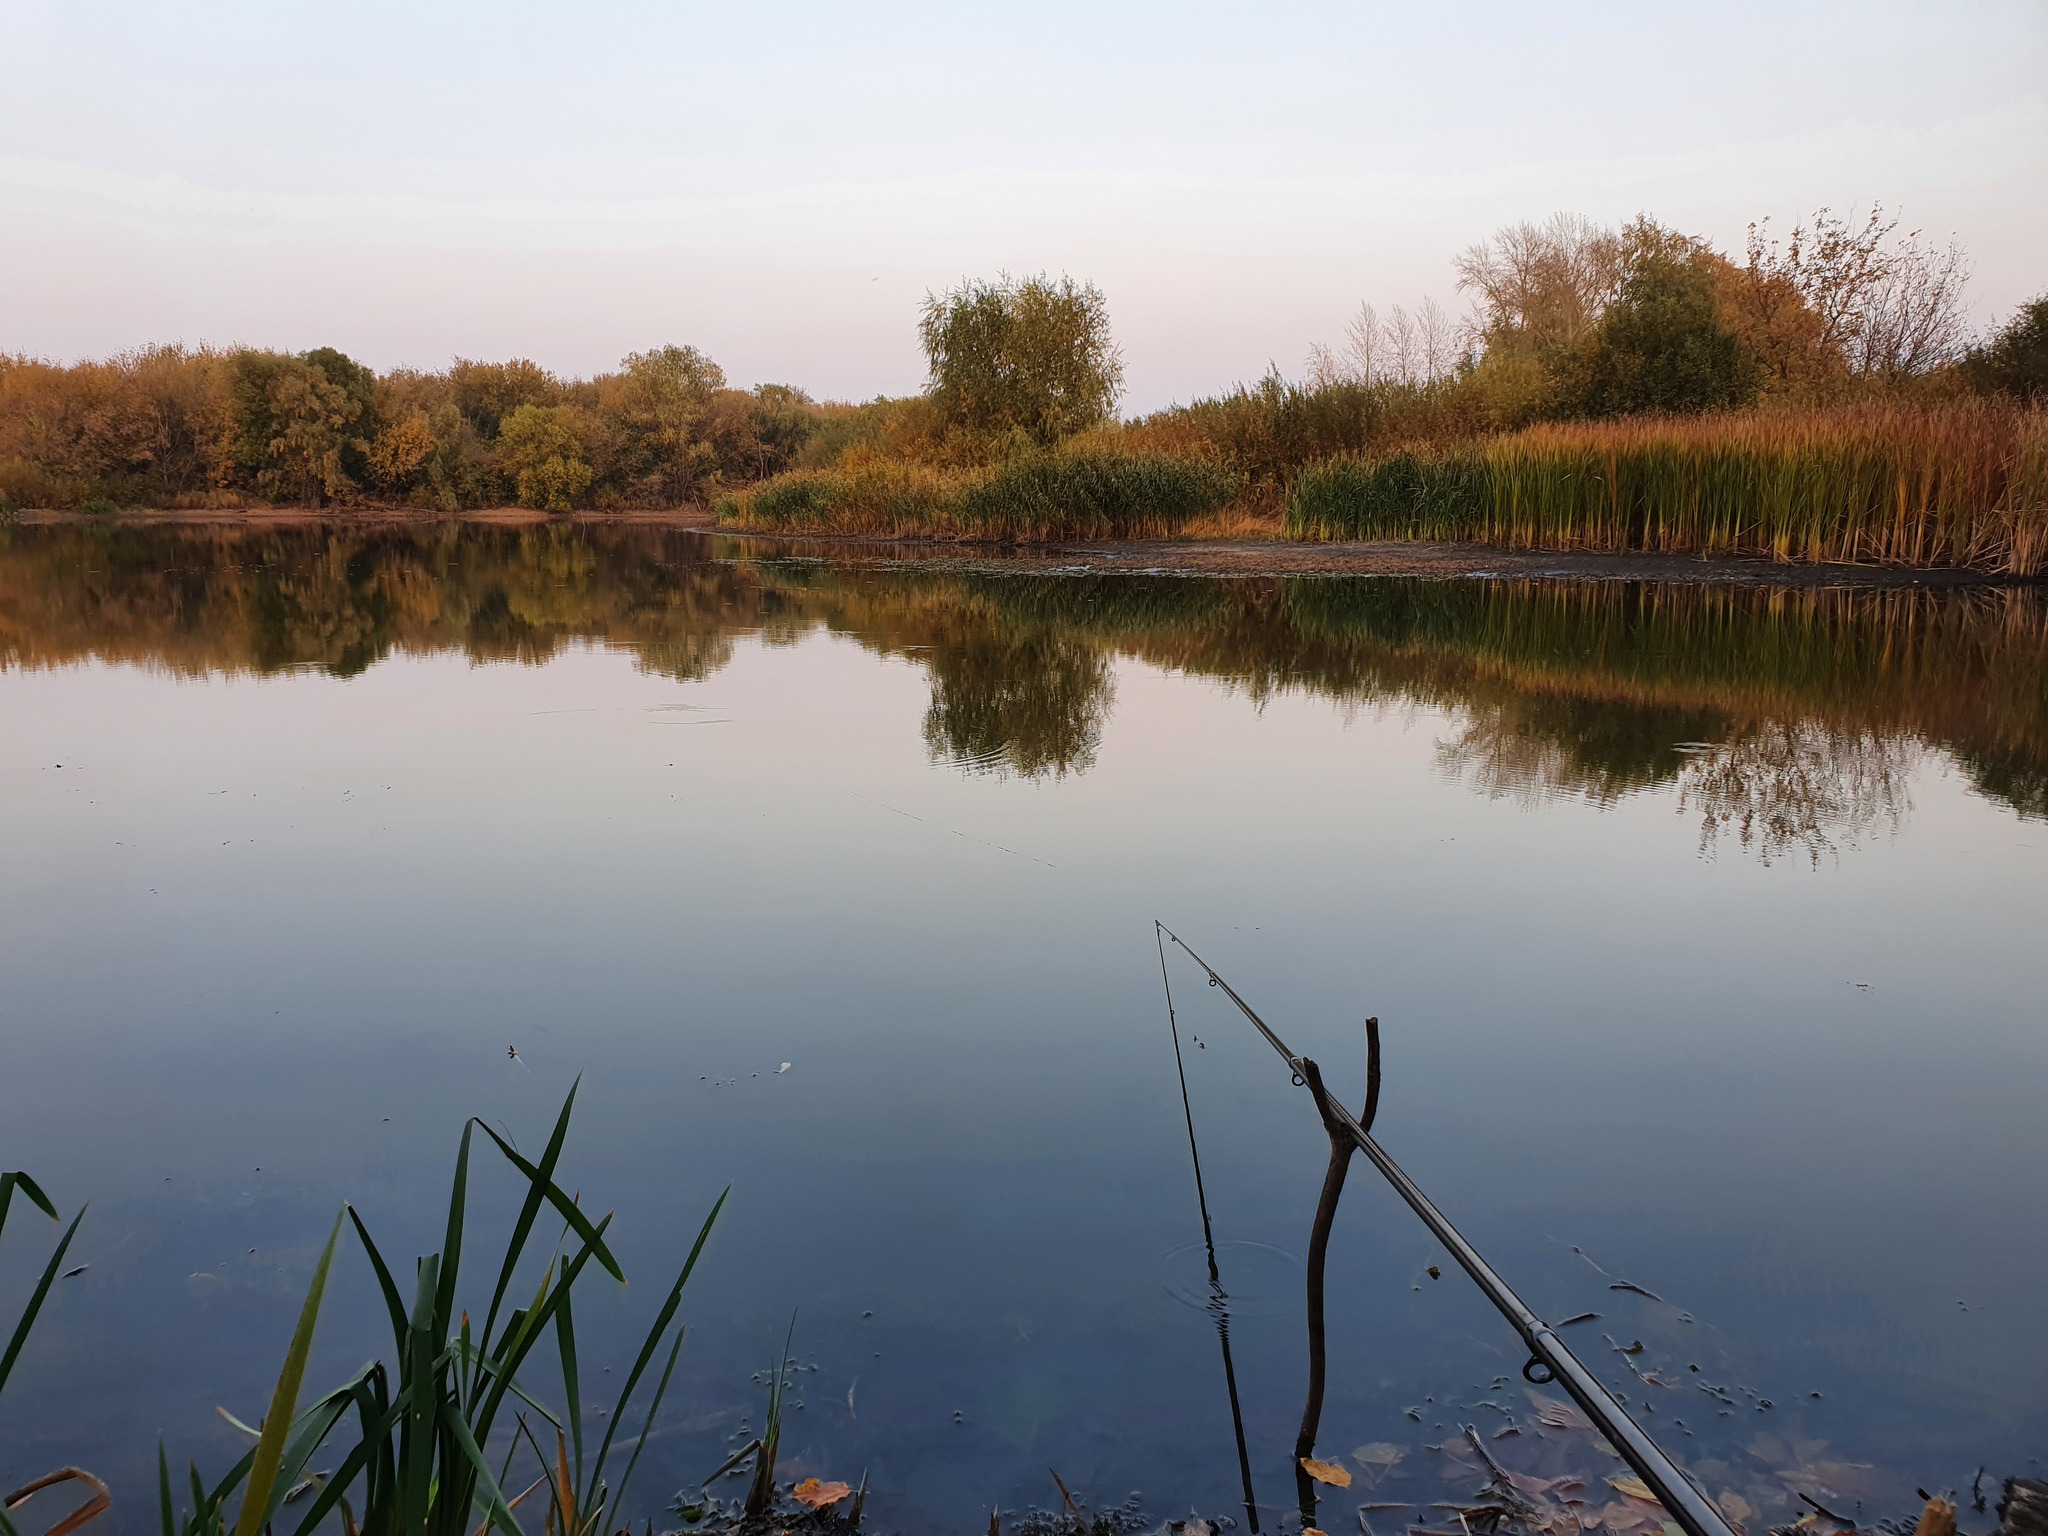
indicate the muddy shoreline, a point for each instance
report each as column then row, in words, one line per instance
column 1169, row 557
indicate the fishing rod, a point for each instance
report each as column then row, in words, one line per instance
column 1219, row 1300
column 1550, row 1358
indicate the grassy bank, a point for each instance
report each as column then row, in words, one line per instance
column 1092, row 494
column 1963, row 485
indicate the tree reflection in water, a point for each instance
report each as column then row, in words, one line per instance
column 1032, row 705
column 1800, row 787
column 1777, row 787
column 1789, row 722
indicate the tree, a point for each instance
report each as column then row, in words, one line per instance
column 544, row 449
column 1882, row 305
column 486, row 393
column 2015, row 359
column 1033, row 357
column 787, row 419
column 1661, row 345
column 400, row 453
column 657, row 405
column 1543, row 286
column 296, row 429
column 1914, row 321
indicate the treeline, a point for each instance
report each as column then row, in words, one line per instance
column 1016, row 434
column 177, row 427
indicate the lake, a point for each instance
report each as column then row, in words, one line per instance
column 1704, row 927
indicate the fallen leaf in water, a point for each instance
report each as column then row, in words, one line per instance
column 1624, row 1517
column 1736, row 1507
column 1634, row 1487
column 1556, row 1413
column 816, row 1495
column 1326, row 1472
column 1377, row 1460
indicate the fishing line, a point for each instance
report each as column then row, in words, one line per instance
column 1219, row 1299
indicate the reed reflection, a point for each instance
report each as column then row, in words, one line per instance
column 1790, row 723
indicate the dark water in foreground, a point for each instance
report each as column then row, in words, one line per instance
column 1706, row 930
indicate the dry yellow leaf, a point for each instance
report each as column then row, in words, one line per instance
column 817, row 1495
column 1634, row 1487
column 1326, row 1472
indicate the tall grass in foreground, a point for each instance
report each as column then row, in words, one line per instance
column 24, row 1324
column 1963, row 485
column 1038, row 496
column 429, row 1452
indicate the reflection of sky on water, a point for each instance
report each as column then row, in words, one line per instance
column 293, row 922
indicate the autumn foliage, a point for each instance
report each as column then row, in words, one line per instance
column 178, row 427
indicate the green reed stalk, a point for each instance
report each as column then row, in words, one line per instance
column 1956, row 485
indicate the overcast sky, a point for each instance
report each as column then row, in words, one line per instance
column 781, row 183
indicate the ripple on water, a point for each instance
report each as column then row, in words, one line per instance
column 1258, row 1279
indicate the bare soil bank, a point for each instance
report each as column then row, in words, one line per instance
column 1173, row 557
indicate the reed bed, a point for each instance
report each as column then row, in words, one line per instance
column 1963, row 485
column 1040, row 496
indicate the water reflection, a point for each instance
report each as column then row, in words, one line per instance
column 1800, row 787
column 1789, row 723
column 1033, row 705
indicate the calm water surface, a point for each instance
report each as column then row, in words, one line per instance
column 1705, row 929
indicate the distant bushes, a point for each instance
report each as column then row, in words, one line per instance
column 1075, row 494
column 1962, row 485
column 168, row 426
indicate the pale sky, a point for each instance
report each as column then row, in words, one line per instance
column 780, row 184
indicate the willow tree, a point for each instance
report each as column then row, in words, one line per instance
column 1031, row 357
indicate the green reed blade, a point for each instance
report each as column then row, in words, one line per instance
column 572, row 1389
column 385, row 1284
column 9, row 1182
column 451, row 1244
column 541, row 1179
column 36, row 1300
column 653, row 1340
column 578, row 1222
column 277, row 1424
column 499, row 1512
